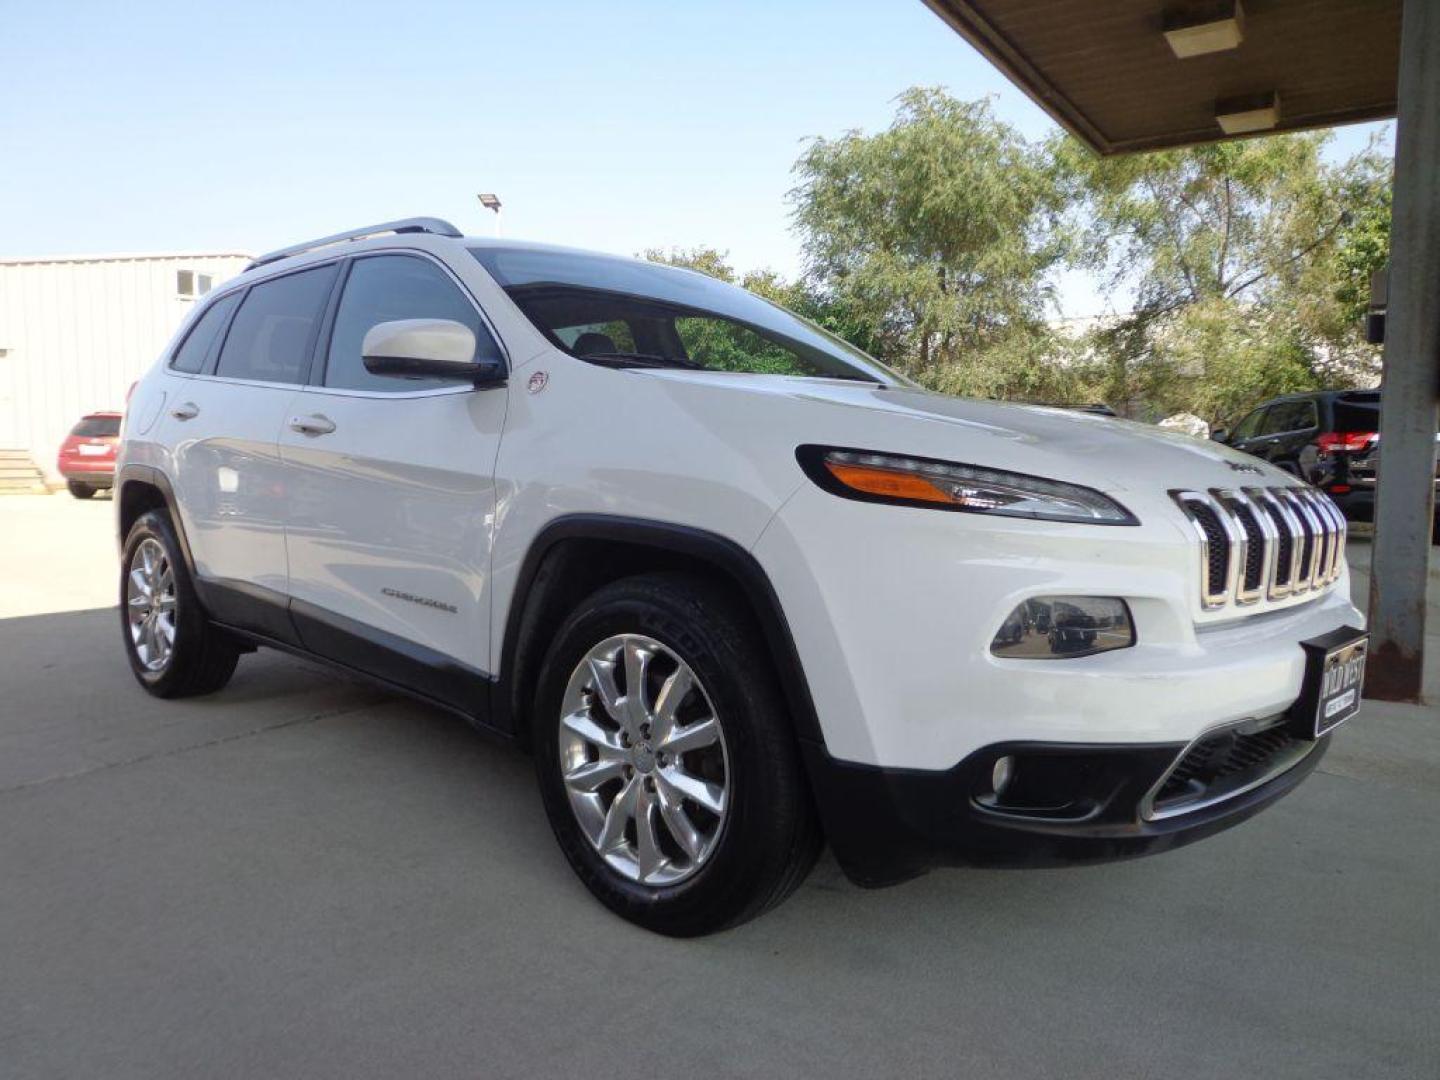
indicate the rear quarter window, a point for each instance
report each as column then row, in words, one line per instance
column 190, row 357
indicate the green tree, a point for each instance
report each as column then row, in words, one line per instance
column 1363, row 245
column 931, row 245
column 932, row 240
column 1245, row 260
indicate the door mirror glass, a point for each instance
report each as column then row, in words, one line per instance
column 1220, row 434
column 426, row 349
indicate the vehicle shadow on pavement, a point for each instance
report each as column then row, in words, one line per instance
column 303, row 875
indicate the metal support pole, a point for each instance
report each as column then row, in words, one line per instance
column 1404, row 510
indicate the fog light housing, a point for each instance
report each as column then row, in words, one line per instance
column 1064, row 627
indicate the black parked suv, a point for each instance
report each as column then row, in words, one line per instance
column 1330, row 438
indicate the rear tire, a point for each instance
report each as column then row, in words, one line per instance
column 705, row 870
column 80, row 490
column 173, row 649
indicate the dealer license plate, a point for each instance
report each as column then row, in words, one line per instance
column 1334, row 677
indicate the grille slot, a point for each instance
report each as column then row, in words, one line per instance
column 1263, row 543
column 1284, row 546
column 1215, row 536
column 1254, row 568
column 1310, row 538
column 1226, row 763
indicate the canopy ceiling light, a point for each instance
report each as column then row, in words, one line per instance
column 1198, row 29
column 1242, row 116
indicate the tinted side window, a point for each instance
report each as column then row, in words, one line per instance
column 269, row 340
column 1275, row 419
column 387, row 287
column 1296, row 416
column 1289, row 416
column 1246, row 428
column 190, row 357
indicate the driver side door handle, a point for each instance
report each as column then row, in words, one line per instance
column 314, row 424
column 187, row 411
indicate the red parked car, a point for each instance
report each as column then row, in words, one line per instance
column 87, row 456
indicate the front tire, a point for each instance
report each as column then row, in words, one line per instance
column 173, row 649
column 684, row 808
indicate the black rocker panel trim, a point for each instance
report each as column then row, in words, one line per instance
column 270, row 618
column 718, row 551
column 394, row 660
column 243, row 605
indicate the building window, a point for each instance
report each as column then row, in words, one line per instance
column 189, row 284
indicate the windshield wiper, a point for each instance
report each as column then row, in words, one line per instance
column 636, row 359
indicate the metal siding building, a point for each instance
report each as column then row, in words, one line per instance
column 76, row 331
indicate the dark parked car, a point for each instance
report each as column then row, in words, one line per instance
column 1294, row 431
column 1330, row 437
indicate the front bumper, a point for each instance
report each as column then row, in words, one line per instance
column 887, row 825
column 893, row 611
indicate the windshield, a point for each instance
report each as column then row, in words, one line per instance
column 623, row 312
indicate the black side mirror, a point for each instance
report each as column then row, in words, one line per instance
column 1220, row 434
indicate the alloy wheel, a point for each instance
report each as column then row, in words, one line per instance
column 150, row 605
column 643, row 759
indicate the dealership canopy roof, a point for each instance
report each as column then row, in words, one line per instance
column 1127, row 75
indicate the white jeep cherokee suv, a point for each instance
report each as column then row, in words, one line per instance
column 737, row 587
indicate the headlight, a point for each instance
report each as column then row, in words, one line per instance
column 941, row 485
column 1050, row 627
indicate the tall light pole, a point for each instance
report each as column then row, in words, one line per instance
column 492, row 202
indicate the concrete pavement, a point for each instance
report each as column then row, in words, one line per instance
column 305, row 877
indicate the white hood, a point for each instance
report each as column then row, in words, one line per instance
column 1098, row 451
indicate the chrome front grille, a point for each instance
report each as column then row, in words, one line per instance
column 1263, row 543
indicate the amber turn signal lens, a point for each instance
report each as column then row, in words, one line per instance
column 887, row 482
column 868, row 476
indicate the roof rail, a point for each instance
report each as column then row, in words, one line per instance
column 435, row 226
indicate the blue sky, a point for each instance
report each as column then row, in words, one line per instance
column 146, row 126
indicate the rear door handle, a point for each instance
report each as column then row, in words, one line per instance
column 314, row 424
column 188, row 411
